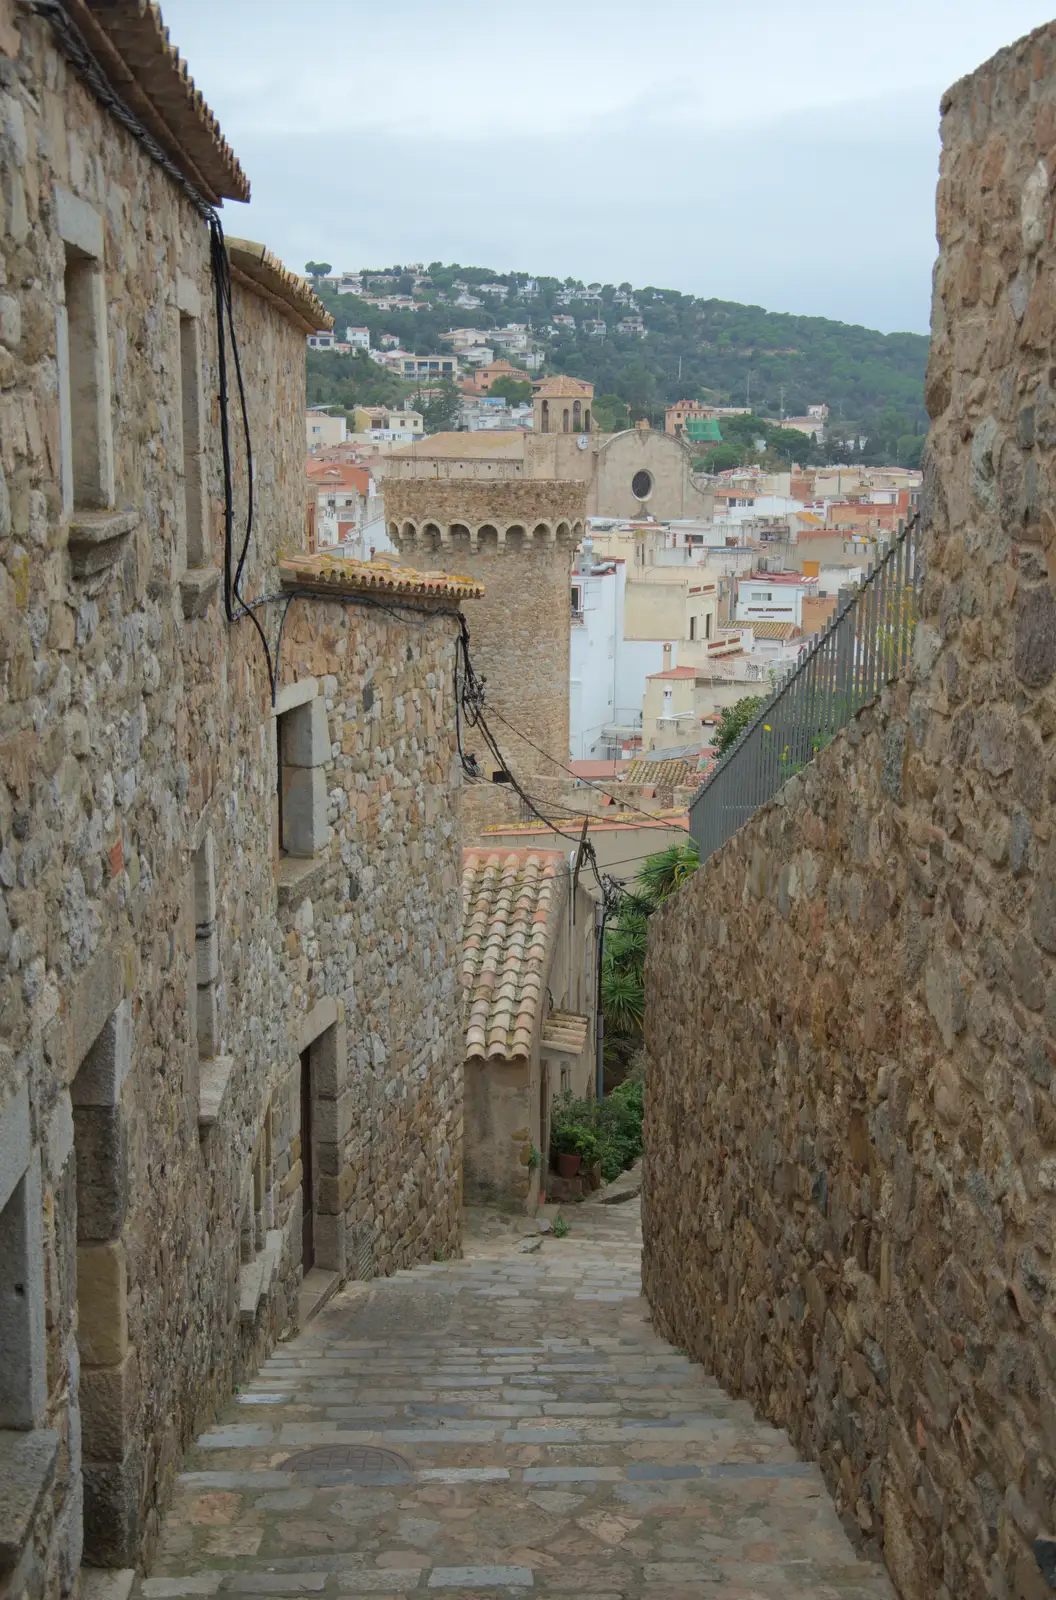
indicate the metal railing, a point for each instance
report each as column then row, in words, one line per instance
column 867, row 643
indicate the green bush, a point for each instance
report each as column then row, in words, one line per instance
column 610, row 1132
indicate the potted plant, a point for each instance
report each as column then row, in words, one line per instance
column 564, row 1144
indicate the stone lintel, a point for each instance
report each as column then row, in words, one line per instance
column 214, row 1076
column 27, row 1467
column 198, row 587
column 97, row 539
column 298, row 877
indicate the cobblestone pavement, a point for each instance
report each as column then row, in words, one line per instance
column 506, row 1424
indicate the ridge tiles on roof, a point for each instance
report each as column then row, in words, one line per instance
column 509, row 899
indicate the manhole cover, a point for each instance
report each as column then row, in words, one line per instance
column 362, row 1459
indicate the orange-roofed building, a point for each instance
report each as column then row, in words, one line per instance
column 528, row 972
column 480, row 381
column 344, row 495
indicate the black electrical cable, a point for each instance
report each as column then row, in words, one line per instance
column 72, row 44
column 623, row 805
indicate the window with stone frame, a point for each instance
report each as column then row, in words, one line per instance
column 260, row 1242
column 28, row 1450
column 23, row 1356
column 206, row 950
column 192, row 414
column 303, row 748
column 83, row 362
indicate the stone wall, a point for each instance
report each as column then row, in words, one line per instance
column 517, row 539
column 162, row 970
column 850, row 1178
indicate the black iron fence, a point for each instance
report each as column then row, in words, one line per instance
column 867, row 643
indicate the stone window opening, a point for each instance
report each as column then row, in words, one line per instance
column 303, row 748
column 108, row 1379
column 586, row 419
column 28, row 1450
column 564, row 420
column 206, row 951
column 546, row 416
column 82, row 347
column 259, row 1241
column 642, row 484
column 23, row 1379
column 577, row 419
column 192, row 412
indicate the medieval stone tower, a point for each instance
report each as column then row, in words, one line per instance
column 465, row 508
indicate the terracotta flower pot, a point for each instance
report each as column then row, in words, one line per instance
column 568, row 1163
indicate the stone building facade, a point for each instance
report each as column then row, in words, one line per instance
column 850, row 1180
column 516, row 539
column 230, row 1030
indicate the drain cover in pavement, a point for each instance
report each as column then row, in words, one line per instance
column 362, row 1459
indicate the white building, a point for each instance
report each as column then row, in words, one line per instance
column 512, row 339
column 773, row 597
column 482, row 413
column 607, row 671
column 358, row 338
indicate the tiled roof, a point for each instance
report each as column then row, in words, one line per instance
column 254, row 266
column 510, row 899
column 338, row 475
column 498, row 442
column 548, row 388
column 675, row 672
column 326, row 574
column 565, row 1031
column 597, row 769
column 662, row 774
column 132, row 46
column 773, row 630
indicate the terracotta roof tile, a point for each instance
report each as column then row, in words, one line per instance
column 327, row 574
column 254, row 266
column 661, row 774
column 772, row 630
column 132, row 45
column 510, row 899
column 558, row 386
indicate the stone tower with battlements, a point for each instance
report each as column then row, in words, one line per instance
column 479, row 516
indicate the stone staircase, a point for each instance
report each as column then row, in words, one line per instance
column 502, row 1425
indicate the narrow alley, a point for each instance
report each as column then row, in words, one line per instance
column 496, row 1425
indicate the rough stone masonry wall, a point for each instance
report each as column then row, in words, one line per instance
column 151, row 1024
column 850, row 1177
column 520, row 632
column 377, row 924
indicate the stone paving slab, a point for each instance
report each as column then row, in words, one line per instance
column 539, row 1440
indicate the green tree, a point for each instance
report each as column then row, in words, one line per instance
column 623, row 962
column 440, row 410
column 317, row 269
column 610, row 413
column 721, row 459
column 734, row 719
column 515, row 391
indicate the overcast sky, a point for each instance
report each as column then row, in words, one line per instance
column 779, row 153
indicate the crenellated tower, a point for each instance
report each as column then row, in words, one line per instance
column 517, row 535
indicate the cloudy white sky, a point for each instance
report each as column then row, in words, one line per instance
column 780, row 152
